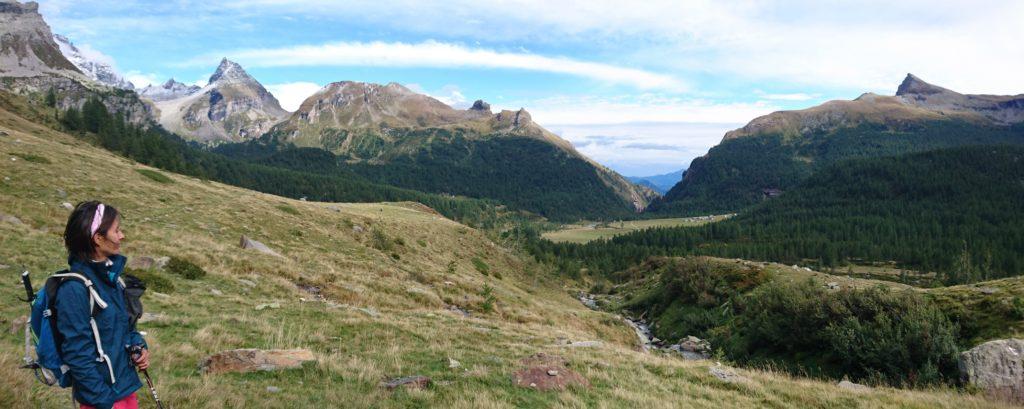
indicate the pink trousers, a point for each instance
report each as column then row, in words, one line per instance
column 129, row 402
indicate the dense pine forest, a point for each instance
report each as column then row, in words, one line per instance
column 954, row 211
column 521, row 172
column 741, row 172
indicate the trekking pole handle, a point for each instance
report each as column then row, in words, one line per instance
column 25, row 281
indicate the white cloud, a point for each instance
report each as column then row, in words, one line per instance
column 142, row 79
column 291, row 94
column 591, row 110
column 786, row 97
column 440, row 55
column 449, row 94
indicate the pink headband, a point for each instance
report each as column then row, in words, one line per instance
column 97, row 219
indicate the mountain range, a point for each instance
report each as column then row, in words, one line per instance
column 660, row 183
column 775, row 152
column 384, row 133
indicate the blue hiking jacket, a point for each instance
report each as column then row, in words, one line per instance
column 90, row 378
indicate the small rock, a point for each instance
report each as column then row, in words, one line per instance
column 832, row 285
column 357, row 229
column 408, row 382
column 584, row 344
column 250, row 360
column 161, row 262
column 216, row 292
column 141, row 263
column 150, row 317
column 726, row 374
column 845, row 384
column 62, row 193
column 67, row 205
column 272, row 306
column 246, row 283
column 18, row 324
column 273, row 389
column 987, row 290
column 369, row 311
column 452, row 364
column 11, row 219
column 247, row 243
column 457, row 310
column 552, row 372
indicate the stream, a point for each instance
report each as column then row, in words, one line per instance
column 691, row 348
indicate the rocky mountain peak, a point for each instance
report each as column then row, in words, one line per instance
column 169, row 90
column 480, row 105
column 14, row 7
column 912, row 85
column 230, row 71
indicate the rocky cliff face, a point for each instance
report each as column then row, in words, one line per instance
column 232, row 107
column 96, row 70
column 169, row 90
column 27, row 48
column 32, row 64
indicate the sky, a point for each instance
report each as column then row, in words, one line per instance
column 642, row 88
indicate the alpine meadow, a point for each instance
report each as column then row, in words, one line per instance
column 452, row 204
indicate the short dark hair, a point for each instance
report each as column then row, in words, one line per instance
column 77, row 233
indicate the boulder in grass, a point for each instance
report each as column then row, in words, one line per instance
column 248, row 243
column 252, row 360
column 408, row 382
column 547, row 372
column 997, row 368
column 141, row 263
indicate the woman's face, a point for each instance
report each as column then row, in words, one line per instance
column 109, row 244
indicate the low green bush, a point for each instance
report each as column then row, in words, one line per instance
column 481, row 266
column 155, row 176
column 28, row 157
column 185, row 268
column 154, row 280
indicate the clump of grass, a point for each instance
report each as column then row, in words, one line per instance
column 451, row 268
column 481, row 266
column 421, row 242
column 288, row 209
column 28, row 157
column 153, row 280
column 185, row 268
column 155, row 176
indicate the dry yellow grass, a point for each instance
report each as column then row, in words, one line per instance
column 385, row 314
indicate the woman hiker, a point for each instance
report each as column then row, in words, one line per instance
column 93, row 239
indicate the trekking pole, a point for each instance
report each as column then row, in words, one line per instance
column 135, row 351
column 28, row 287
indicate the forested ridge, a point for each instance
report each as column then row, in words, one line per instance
column 741, row 172
column 954, row 211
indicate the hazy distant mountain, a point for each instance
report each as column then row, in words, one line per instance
column 167, row 91
column 233, row 106
column 773, row 153
column 660, row 183
column 98, row 71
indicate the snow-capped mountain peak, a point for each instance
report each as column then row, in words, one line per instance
column 98, row 71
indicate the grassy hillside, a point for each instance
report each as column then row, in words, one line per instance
column 736, row 173
column 953, row 211
column 387, row 288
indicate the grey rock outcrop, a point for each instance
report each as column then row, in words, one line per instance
column 247, row 243
column 1002, row 109
column 251, row 360
column 997, row 368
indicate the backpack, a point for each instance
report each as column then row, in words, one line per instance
column 48, row 366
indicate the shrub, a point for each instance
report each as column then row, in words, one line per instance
column 487, row 293
column 28, row 157
column 185, row 268
column 380, row 241
column 876, row 335
column 481, row 266
column 451, row 268
column 155, row 176
column 153, row 280
column 288, row 209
